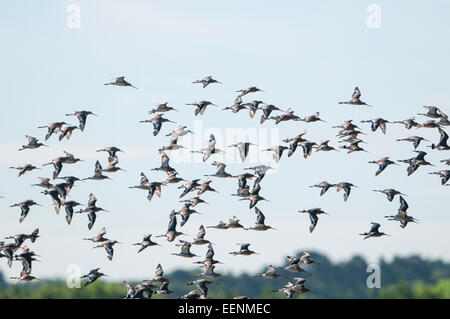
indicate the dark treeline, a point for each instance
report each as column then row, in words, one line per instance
column 403, row 277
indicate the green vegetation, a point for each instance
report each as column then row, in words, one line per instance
column 403, row 277
column 418, row 289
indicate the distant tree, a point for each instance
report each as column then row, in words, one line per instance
column 2, row 281
column 418, row 289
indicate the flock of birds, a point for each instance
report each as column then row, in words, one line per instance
column 58, row 187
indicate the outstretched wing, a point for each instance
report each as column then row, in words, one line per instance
column 444, row 137
column 92, row 200
column 356, row 93
column 201, row 232
column 102, row 232
column 98, row 167
column 403, row 204
column 375, row 227
column 159, row 270
column 314, row 219
column 260, row 218
column 172, row 223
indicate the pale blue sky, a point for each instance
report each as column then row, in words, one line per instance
column 307, row 56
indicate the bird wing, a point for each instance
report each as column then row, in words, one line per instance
column 164, row 286
column 210, row 253
column 260, row 219
column 444, row 137
column 172, row 223
column 244, row 246
column 401, row 214
column 375, row 227
column 113, row 161
column 243, row 150
column 202, row 287
column 421, row 156
column 185, row 248
column 356, row 93
column 92, row 200
column 220, row 168
column 403, row 204
column 164, row 160
column 314, row 219
column 270, row 271
column 31, row 139
column 201, row 232
column 173, row 140
column 256, row 186
column 156, row 127
column 383, row 127
column 144, row 179
column 347, row 189
column 157, row 189
column 151, row 191
column 69, row 155
column 159, row 271
column 57, row 168
column 98, row 167
column 380, row 169
column 102, row 232
column 110, row 251
column 212, row 142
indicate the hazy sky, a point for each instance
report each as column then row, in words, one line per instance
column 307, row 56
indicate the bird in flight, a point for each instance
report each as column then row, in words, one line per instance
column 355, row 100
column 120, row 81
column 374, row 232
column 207, row 80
